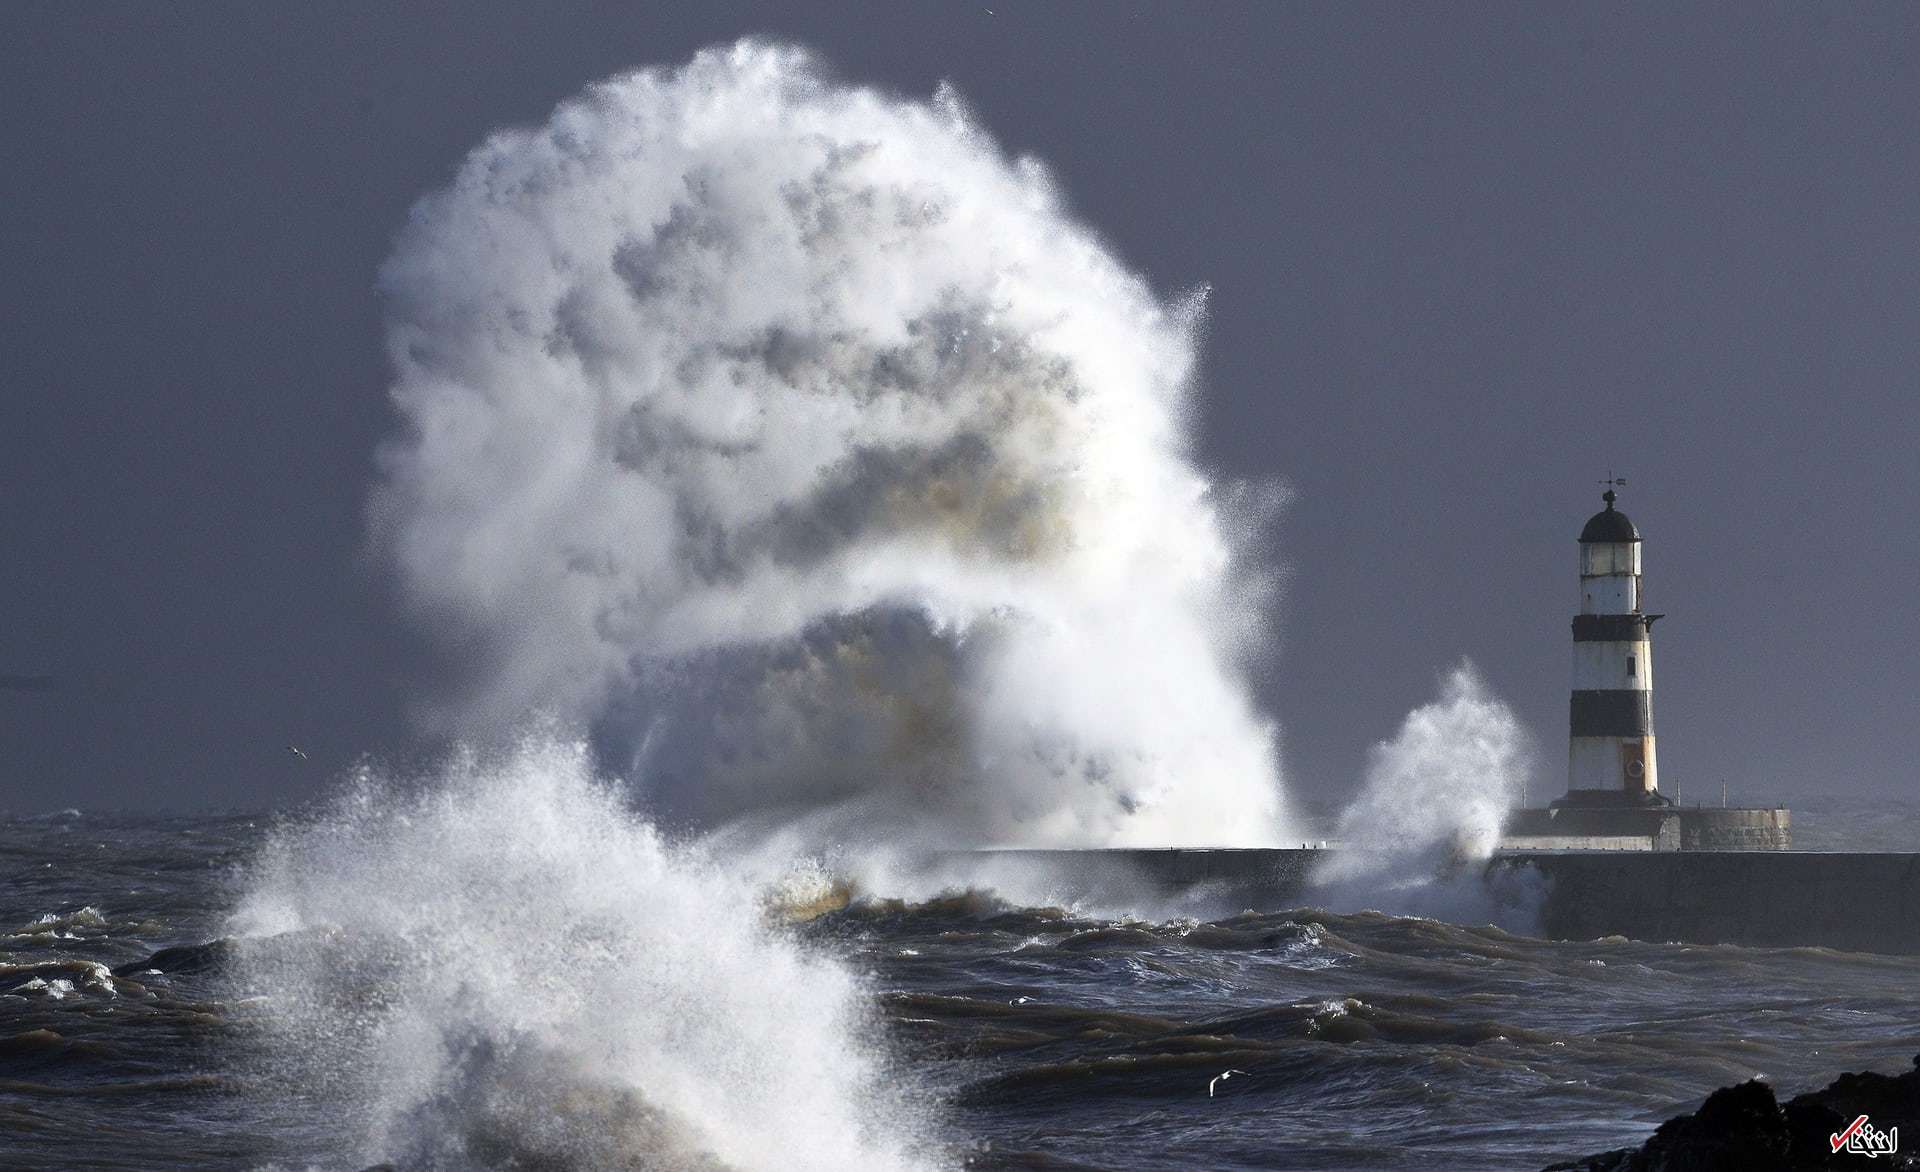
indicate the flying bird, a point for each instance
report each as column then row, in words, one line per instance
column 1220, row 1078
column 297, row 751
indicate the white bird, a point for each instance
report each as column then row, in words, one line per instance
column 295, row 750
column 1220, row 1078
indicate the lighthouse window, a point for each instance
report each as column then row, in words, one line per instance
column 1629, row 665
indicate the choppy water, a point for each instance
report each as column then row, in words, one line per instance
column 1042, row 1039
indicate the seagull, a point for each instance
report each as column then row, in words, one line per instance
column 1223, row 1076
column 297, row 751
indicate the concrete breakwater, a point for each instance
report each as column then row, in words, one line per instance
column 1861, row 902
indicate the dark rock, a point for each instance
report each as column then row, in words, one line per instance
column 1744, row 1127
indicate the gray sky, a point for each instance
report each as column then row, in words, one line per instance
column 1464, row 261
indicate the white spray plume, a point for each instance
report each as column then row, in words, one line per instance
column 508, row 969
column 796, row 438
column 1436, row 793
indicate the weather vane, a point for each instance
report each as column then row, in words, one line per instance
column 1612, row 482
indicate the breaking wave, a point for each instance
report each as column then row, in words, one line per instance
column 801, row 442
column 1434, row 800
column 507, row 969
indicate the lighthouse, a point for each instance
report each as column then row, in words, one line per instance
column 1613, row 799
column 1611, row 717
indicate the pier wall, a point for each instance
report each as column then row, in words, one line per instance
column 1858, row 902
column 1863, row 902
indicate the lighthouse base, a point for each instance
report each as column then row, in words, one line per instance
column 1620, row 820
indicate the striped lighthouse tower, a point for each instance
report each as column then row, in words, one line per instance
column 1611, row 747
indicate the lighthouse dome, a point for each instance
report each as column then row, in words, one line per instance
column 1608, row 526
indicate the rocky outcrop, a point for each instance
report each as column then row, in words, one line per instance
column 1744, row 1127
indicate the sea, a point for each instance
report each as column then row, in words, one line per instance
column 966, row 1030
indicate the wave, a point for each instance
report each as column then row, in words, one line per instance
column 805, row 444
column 505, row 968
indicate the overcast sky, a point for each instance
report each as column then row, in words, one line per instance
column 1464, row 261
